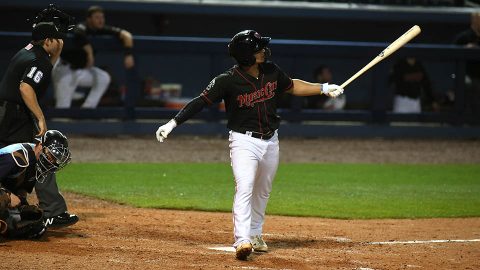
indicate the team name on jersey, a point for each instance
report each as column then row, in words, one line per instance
column 265, row 93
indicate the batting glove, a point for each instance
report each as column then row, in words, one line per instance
column 164, row 130
column 331, row 90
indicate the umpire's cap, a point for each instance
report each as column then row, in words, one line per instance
column 44, row 30
column 245, row 44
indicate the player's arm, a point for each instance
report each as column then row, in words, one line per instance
column 126, row 38
column 212, row 94
column 303, row 88
column 30, row 99
column 90, row 58
column 127, row 41
column 193, row 107
column 7, row 164
column 55, row 55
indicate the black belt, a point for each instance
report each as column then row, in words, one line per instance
column 4, row 103
column 258, row 135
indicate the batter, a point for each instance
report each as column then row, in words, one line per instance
column 250, row 90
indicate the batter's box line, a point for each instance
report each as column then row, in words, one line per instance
column 334, row 238
column 424, row 241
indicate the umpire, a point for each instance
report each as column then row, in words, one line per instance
column 21, row 118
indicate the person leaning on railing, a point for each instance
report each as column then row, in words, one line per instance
column 470, row 38
column 77, row 65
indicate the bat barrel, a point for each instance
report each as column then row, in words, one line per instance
column 393, row 47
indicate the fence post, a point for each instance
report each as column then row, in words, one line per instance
column 460, row 88
column 133, row 88
column 380, row 93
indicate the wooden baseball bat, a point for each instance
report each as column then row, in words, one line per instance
column 402, row 40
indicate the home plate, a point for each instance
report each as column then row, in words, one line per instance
column 227, row 249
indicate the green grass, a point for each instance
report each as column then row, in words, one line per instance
column 325, row 190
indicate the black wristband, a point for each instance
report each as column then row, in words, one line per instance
column 23, row 200
column 128, row 51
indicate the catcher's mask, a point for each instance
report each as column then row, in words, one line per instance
column 54, row 155
column 245, row 44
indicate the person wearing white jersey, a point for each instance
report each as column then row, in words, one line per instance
column 250, row 90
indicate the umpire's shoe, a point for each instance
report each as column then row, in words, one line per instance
column 243, row 251
column 62, row 220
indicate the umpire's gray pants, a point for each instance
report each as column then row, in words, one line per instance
column 51, row 201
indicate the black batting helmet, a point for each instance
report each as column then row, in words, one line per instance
column 245, row 44
column 54, row 156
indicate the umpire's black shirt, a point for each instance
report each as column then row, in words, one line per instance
column 30, row 65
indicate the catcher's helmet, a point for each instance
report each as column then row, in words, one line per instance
column 245, row 44
column 54, row 156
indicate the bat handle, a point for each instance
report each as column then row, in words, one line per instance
column 356, row 75
column 345, row 84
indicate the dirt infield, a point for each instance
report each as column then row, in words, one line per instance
column 113, row 236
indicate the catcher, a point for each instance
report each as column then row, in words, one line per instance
column 21, row 166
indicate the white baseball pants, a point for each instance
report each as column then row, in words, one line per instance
column 403, row 104
column 254, row 164
column 66, row 80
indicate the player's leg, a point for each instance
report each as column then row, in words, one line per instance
column 261, row 192
column 64, row 85
column 53, row 204
column 244, row 155
column 99, row 82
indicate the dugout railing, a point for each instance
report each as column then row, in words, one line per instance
column 295, row 56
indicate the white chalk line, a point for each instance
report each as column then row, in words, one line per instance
column 226, row 249
column 424, row 241
column 346, row 240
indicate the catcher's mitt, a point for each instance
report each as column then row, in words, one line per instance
column 26, row 221
column 4, row 204
column 4, row 201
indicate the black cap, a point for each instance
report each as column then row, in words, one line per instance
column 45, row 30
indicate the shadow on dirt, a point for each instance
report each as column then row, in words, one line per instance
column 292, row 243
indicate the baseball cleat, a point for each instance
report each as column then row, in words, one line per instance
column 258, row 244
column 63, row 220
column 243, row 251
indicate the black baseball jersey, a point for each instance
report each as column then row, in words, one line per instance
column 30, row 65
column 250, row 103
column 82, row 33
column 465, row 37
column 73, row 51
column 17, row 167
column 411, row 80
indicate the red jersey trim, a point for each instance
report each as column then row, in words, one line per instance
column 206, row 99
column 252, row 84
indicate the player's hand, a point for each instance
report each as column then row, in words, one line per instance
column 164, row 130
column 129, row 62
column 42, row 128
column 331, row 90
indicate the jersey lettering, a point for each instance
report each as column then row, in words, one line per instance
column 37, row 77
column 210, row 85
column 32, row 70
column 265, row 93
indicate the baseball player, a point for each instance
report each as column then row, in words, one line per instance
column 77, row 65
column 25, row 81
column 250, row 90
column 22, row 165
